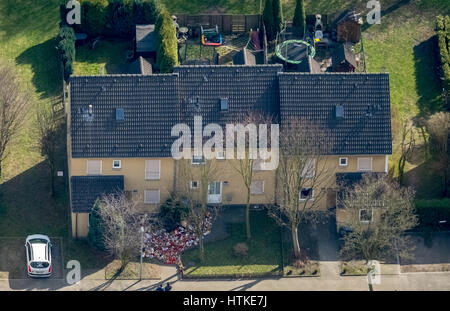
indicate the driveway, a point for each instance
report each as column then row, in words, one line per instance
column 13, row 263
column 430, row 255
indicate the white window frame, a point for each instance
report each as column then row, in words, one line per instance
column 257, row 193
column 154, row 190
column 220, row 155
column 191, row 184
column 159, row 170
column 87, row 167
column 371, row 215
column 202, row 162
column 258, row 165
column 306, row 168
column 371, row 164
column 118, row 167
column 311, row 198
column 346, row 161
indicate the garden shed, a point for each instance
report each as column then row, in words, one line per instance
column 348, row 26
column 343, row 59
column 145, row 39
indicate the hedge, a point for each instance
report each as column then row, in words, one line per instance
column 114, row 18
column 167, row 44
column 443, row 33
column 430, row 212
column 66, row 49
column 94, row 16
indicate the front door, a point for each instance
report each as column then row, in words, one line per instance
column 215, row 192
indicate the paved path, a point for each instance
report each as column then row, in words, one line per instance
column 410, row 281
column 328, row 250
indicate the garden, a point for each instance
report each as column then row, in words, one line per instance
column 267, row 253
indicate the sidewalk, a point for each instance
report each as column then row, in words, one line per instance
column 408, row 281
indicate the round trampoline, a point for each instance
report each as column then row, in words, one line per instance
column 294, row 51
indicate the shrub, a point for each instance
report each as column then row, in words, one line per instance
column 120, row 18
column 171, row 213
column 298, row 263
column 95, row 234
column 66, row 48
column 443, row 33
column 94, row 16
column 167, row 44
column 240, row 250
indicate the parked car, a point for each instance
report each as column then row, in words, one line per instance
column 39, row 255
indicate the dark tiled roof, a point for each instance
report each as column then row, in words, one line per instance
column 140, row 66
column 366, row 125
column 245, row 87
column 86, row 190
column 145, row 38
column 150, row 109
column 309, row 65
column 349, row 15
column 244, row 57
column 343, row 53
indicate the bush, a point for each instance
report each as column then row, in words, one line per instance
column 120, row 18
column 167, row 44
column 430, row 212
column 66, row 48
column 240, row 250
column 443, row 33
column 95, row 234
column 172, row 213
column 94, row 16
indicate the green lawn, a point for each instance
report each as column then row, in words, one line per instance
column 264, row 255
column 108, row 57
column 400, row 46
column 27, row 40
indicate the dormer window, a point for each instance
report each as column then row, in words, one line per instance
column 120, row 114
column 223, row 104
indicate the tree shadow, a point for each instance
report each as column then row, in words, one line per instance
column 427, row 77
column 46, row 67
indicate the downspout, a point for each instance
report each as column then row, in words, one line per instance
column 386, row 164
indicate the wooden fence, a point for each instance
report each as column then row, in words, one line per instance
column 227, row 23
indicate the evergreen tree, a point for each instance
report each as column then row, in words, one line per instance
column 95, row 235
column 269, row 20
column 277, row 15
column 300, row 17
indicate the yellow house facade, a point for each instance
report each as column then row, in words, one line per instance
column 120, row 131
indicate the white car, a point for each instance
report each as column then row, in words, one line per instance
column 39, row 255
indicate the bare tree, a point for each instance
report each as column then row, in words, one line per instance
column 195, row 197
column 407, row 144
column 51, row 133
column 438, row 126
column 380, row 211
column 245, row 166
column 302, row 174
column 14, row 104
column 120, row 226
